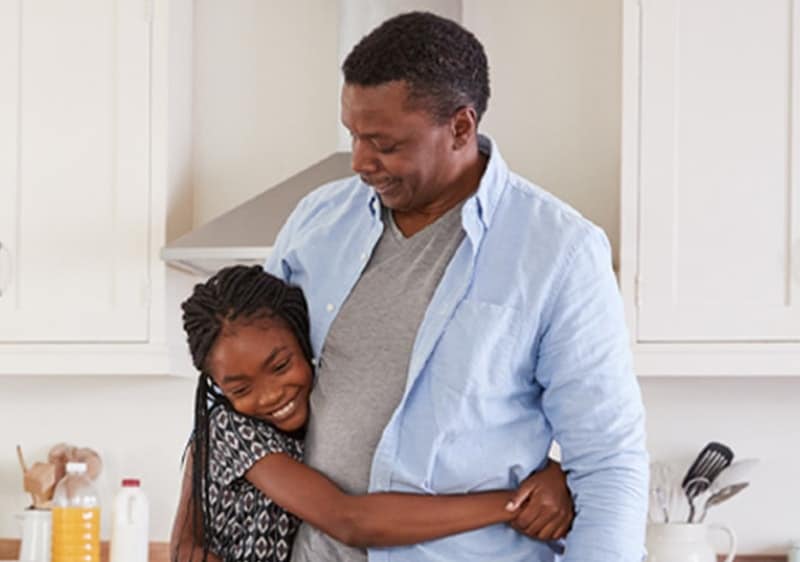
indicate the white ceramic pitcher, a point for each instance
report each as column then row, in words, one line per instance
column 685, row 542
column 35, row 544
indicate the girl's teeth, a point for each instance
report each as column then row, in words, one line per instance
column 284, row 411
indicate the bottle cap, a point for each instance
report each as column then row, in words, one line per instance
column 130, row 483
column 76, row 467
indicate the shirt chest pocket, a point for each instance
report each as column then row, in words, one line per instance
column 478, row 357
column 482, row 396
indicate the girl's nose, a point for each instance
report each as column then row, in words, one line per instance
column 270, row 397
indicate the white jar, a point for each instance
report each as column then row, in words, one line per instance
column 36, row 531
column 684, row 542
column 129, row 524
column 794, row 552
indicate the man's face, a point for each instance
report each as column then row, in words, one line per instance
column 399, row 150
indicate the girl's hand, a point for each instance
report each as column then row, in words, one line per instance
column 544, row 504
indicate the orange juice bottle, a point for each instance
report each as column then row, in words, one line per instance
column 76, row 518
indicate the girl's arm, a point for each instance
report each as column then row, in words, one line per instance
column 381, row 519
column 548, row 511
column 183, row 545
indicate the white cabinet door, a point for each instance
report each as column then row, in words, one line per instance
column 74, row 169
column 719, row 170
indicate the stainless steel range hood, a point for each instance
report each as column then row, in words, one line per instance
column 247, row 233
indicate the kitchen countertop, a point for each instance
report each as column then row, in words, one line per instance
column 159, row 552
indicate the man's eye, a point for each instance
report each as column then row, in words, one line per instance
column 387, row 149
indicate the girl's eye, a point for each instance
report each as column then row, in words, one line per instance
column 280, row 367
column 239, row 392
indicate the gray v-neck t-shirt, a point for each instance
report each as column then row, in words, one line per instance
column 364, row 363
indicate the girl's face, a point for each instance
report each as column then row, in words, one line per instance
column 261, row 370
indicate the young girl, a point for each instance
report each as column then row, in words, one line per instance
column 244, row 484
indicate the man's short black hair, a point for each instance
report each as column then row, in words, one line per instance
column 443, row 64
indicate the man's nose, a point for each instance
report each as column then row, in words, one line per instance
column 364, row 161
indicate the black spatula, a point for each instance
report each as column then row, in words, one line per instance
column 709, row 463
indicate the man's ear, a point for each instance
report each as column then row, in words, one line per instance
column 464, row 125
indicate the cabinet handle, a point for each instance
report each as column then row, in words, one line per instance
column 796, row 262
column 5, row 268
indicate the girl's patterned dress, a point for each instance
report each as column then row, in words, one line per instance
column 246, row 525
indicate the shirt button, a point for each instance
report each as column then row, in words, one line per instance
column 329, row 307
column 363, row 256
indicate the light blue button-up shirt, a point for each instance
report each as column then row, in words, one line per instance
column 523, row 343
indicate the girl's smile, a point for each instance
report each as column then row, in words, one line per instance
column 260, row 368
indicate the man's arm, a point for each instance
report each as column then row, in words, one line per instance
column 593, row 402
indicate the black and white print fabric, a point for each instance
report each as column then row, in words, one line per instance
column 246, row 525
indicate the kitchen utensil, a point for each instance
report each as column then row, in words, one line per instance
column 711, row 460
column 24, row 467
column 667, row 498
column 728, row 482
column 21, row 460
column 697, row 483
column 661, row 486
column 668, row 503
column 698, row 501
column 40, row 481
column 739, row 471
column 722, row 495
column 658, row 509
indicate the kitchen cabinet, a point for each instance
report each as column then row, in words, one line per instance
column 86, row 145
column 710, row 245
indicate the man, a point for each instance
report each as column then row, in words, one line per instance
column 462, row 318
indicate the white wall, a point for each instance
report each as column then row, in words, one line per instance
column 138, row 425
column 554, row 70
column 265, row 99
column 266, row 105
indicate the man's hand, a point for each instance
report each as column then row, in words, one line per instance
column 544, row 503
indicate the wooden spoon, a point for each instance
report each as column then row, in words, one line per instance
column 24, row 472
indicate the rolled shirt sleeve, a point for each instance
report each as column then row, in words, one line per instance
column 594, row 404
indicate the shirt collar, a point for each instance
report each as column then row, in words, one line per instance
column 493, row 181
